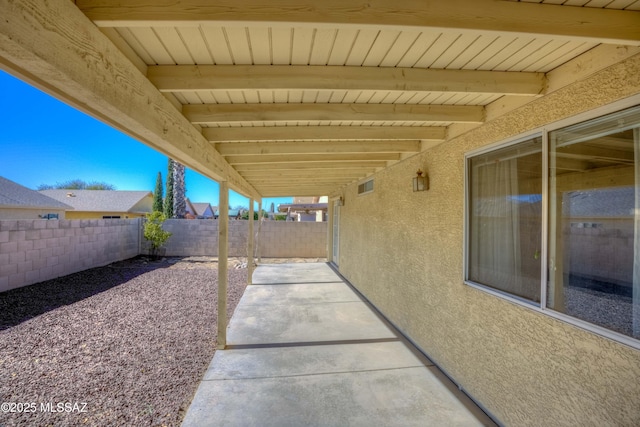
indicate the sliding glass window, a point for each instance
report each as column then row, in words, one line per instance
column 591, row 214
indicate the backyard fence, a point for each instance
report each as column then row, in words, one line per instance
column 32, row 251
column 277, row 239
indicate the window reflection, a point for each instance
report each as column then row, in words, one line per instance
column 593, row 222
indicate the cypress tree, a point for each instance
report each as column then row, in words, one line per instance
column 168, row 201
column 157, row 194
column 179, row 191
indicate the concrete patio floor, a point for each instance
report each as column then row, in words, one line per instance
column 305, row 350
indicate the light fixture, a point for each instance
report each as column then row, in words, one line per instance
column 420, row 183
column 340, row 201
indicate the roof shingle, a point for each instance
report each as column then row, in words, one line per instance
column 17, row 196
column 99, row 200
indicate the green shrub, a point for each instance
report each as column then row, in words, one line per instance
column 154, row 233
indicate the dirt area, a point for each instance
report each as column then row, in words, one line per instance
column 125, row 344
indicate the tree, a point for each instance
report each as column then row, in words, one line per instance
column 77, row 184
column 168, row 200
column 256, row 215
column 179, row 191
column 95, row 185
column 157, row 194
column 154, row 233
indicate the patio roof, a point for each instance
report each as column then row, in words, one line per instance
column 300, row 98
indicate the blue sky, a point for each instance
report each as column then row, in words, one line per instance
column 44, row 141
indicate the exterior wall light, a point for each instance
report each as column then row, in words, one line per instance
column 340, row 202
column 420, row 183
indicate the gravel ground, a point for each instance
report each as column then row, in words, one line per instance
column 585, row 300
column 122, row 345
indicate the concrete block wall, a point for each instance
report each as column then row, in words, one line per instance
column 280, row 239
column 32, row 251
column 277, row 239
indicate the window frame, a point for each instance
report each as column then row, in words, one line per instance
column 514, row 140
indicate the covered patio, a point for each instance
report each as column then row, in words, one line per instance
column 356, row 100
column 304, row 348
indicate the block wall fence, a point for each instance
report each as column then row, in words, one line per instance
column 277, row 239
column 33, row 251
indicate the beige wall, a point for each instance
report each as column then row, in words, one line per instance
column 404, row 251
column 16, row 213
column 99, row 215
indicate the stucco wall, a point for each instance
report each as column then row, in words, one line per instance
column 99, row 215
column 404, row 251
column 32, row 251
column 277, row 239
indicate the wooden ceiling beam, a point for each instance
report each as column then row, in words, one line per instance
column 319, row 133
column 314, row 181
column 298, row 186
column 323, row 147
column 207, row 114
column 292, row 174
column 180, row 78
column 313, row 192
column 315, row 165
column 488, row 16
column 311, row 158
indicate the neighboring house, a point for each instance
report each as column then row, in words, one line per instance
column 200, row 210
column 104, row 204
column 19, row 202
column 306, row 209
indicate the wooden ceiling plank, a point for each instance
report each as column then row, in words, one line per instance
column 260, row 42
column 180, row 78
column 214, row 37
column 323, row 147
column 323, row 43
column 604, row 25
column 174, row 45
column 196, row 45
column 213, row 113
column 53, row 46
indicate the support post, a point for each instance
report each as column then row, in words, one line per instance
column 259, row 230
column 331, row 207
column 635, row 293
column 250, row 243
column 223, row 250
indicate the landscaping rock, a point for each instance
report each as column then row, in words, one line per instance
column 125, row 344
